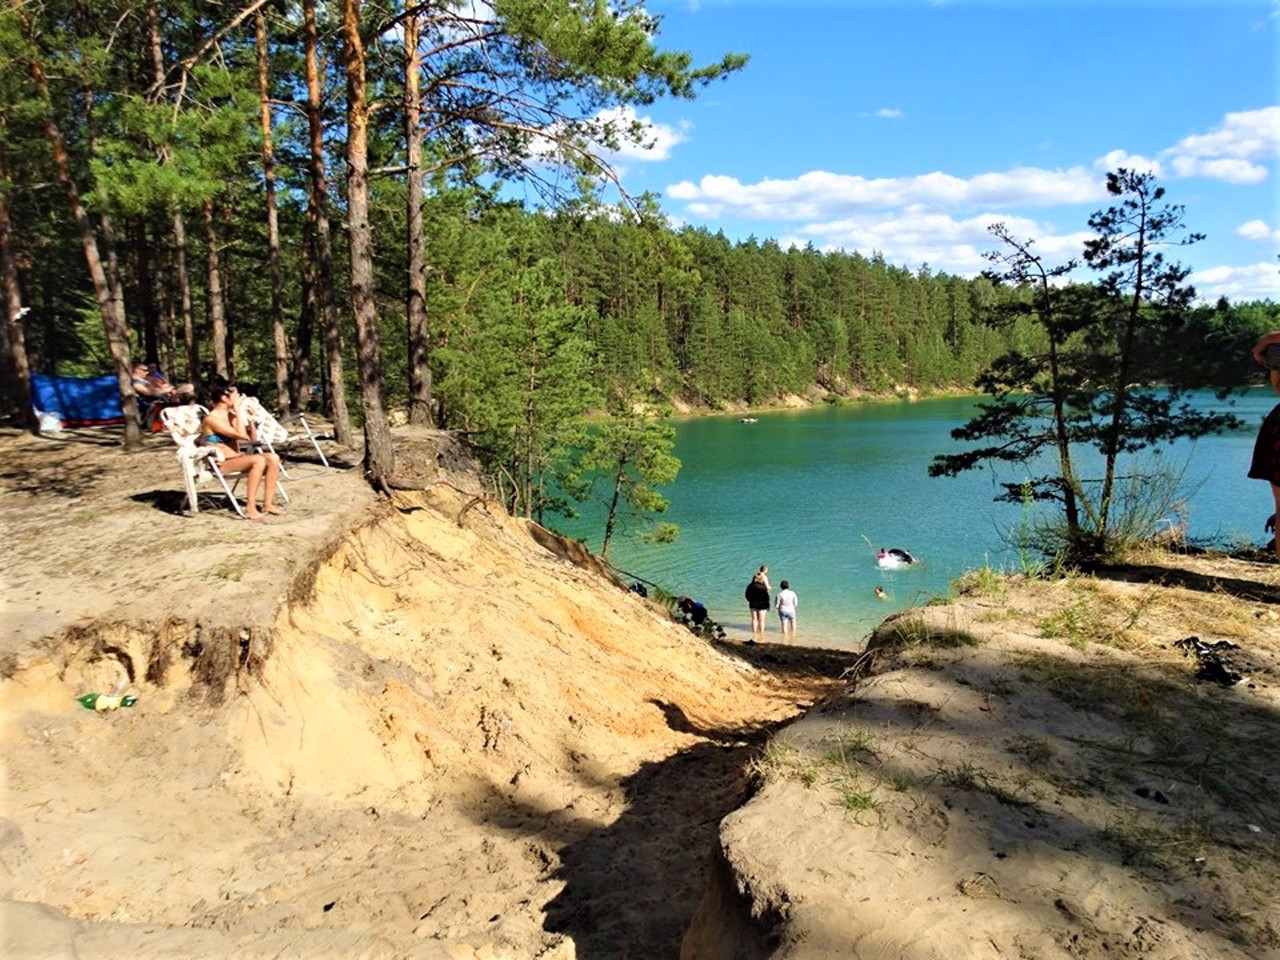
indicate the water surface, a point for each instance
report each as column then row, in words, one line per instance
column 813, row 493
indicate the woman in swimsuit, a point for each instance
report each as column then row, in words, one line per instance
column 223, row 429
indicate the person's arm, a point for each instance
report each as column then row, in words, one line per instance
column 1266, row 340
column 223, row 426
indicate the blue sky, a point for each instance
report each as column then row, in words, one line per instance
column 907, row 127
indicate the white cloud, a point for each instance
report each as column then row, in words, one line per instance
column 940, row 218
column 820, row 194
column 1130, row 161
column 1228, row 170
column 1233, row 151
column 1250, row 282
column 658, row 139
column 889, row 113
column 919, row 236
column 1258, row 230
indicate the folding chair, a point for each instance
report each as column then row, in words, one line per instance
column 200, row 461
column 272, row 433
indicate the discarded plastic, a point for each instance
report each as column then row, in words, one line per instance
column 1255, row 828
column 1216, row 663
column 101, row 702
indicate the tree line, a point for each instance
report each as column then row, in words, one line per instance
column 319, row 193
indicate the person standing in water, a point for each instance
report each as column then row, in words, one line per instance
column 787, row 603
column 757, row 594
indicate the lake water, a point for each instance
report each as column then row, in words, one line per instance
column 813, row 493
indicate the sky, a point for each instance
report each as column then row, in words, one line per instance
column 907, row 127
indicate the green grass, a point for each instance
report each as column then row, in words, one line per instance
column 839, row 766
column 1094, row 618
column 1144, row 841
column 231, row 570
column 968, row 776
column 1035, row 751
column 983, row 581
column 1079, row 623
column 853, row 797
column 906, row 632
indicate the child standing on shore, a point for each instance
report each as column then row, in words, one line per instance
column 787, row 603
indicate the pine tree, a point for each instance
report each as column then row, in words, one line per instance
column 1103, row 373
column 628, row 455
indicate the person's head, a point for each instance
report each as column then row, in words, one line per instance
column 139, row 369
column 220, row 388
column 764, row 568
column 758, row 578
column 786, row 585
column 879, row 591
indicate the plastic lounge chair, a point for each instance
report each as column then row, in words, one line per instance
column 200, row 461
column 273, row 434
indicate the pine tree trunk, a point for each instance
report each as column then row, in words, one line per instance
column 300, row 366
column 323, row 244
column 227, row 276
column 278, row 336
column 173, row 291
column 379, row 454
column 162, row 296
column 416, row 294
column 146, row 293
column 191, row 347
column 215, row 308
column 113, row 324
column 111, row 263
column 17, row 368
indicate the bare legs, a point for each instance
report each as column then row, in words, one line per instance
column 757, row 624
column 1275, row 494
column 257, row 467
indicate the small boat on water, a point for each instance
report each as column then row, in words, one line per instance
column 894, row 557
column 747, row 420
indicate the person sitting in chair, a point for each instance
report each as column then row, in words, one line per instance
column 224, row 429
column 155, row 392
column 151, row 383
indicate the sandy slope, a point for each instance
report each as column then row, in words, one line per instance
column 447, row 741
column 425, row 729
column 1032, row 771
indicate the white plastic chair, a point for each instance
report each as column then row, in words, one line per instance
column 272, row 433
column 200, row 461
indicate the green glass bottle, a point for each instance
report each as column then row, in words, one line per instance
column 106, row 701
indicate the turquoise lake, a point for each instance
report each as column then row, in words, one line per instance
column 813, row 493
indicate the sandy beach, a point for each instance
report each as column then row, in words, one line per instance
column 422, row 728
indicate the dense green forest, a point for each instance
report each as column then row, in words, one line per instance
column 298, row 194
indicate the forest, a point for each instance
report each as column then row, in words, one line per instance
column 397, row 210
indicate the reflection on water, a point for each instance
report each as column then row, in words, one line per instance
column 814, row 493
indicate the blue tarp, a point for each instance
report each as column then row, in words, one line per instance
column 78, row 401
